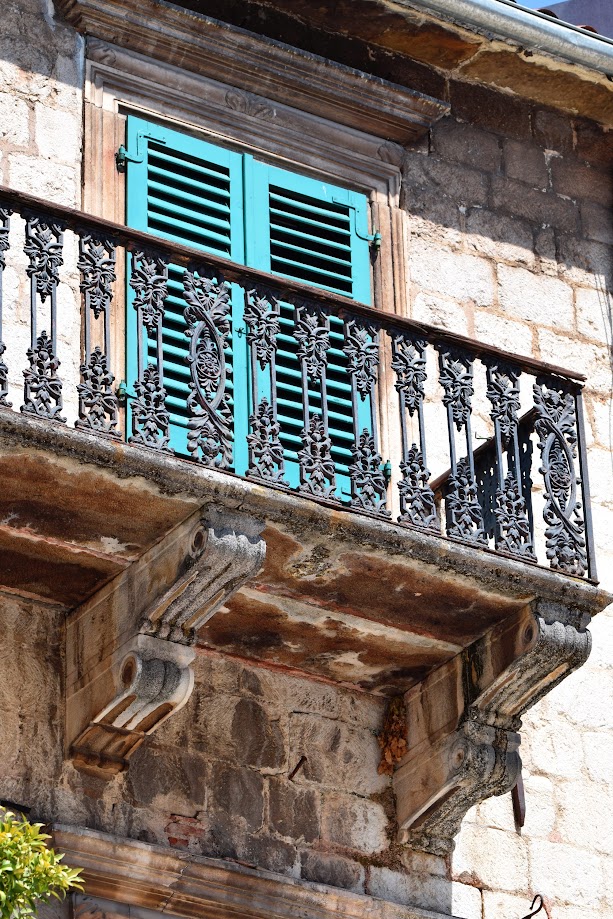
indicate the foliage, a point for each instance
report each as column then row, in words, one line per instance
column 29, row 870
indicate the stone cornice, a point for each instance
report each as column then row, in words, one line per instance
column 129, row 872
column 282, row 74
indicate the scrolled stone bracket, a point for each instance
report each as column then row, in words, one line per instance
column 464, row 721
column 150, row 676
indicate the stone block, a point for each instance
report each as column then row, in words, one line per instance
column 14, row 121
column 602, row 627
column 258, row 739
column 584, row 698
column 237, row 793
column 490, row 110
column 456, row 275
column 354, row 823
column 539, row 207
column 498, row 237
column 585, row 357
column 331, row 870
column 554, row 749
column 526, row 163
column 438, row 311
column 57, row 134
column 535, row 298
column 453, row 140
column 57, row 182
column 581, row 806
column 171, row 781
column 496, row 904
column 553, row 131
column 597, row 222
column 450, row 180
column 337, row 756
column 565, row 874
column 269, row 854
column 593, row 143
column 585, row 262
column 504, row 333
column 593, row 306
column 419, row 890
column 580, row 180
column 315, row 698
column 490, row 858
column 540, row 806
column 466, row 901
column 293, row 811
column 497, row 812
column 364, row 710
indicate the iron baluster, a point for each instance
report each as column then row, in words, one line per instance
column 556, row 426
column 417, row 504
column 368, row 483
column 512, row 531
column 585, row 487
column 312, row 332
column 265, row 449
column 207, row 315
column 150, row 417
column 98, row 409
column 464, row 514
column 42, row 388
column 5, row 225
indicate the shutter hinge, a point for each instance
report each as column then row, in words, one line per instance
column 123, row 156
column 374, row 239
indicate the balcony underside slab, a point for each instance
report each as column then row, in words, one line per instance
column 341, row 596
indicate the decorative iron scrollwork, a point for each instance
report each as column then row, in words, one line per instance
column 97, row 266
column 5, row 225
column 362, row 350
column 42, row 387
column 44, row 242
column 456, row 377
column 149, row 281
column 262, row 321
column 368, row 483
column 409, row 364
column 150, row 417
column 4, row 379
column 503, row 393
column 514, row 527
column 417, row 502
column 97, row 401
column 208, row 328
column 464, row 515
column 98, row 409
column 312, row 332
column 316, row 463
column 265, row 448
column 556, row 427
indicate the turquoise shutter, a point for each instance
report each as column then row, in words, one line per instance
column 313, row 232
column 189, row 191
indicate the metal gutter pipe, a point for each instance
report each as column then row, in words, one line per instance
column 530, row 29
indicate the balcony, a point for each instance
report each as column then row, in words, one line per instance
column 427, row 533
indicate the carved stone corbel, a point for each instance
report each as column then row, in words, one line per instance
column 146, row 678
column 463, row 723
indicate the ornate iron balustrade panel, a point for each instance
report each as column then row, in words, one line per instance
column 427, row 409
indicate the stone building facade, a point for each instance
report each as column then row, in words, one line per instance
column 266, row 772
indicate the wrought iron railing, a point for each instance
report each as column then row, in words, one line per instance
column 403, row 371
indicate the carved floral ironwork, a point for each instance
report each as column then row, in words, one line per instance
column 556, row 427
column 312, row 332
column 208, row 327
column 316, row 463
column 42, row 386
column 265, row 448
column 456, row 378
column 262, row 321
column 150, row 417
column 362, row 350
column 514, row 527
column 5, row 223
column 417, row 502
column 409, row 364
column 44, row 242
column 97, row 401
column 464, row 515
column 367, row 479
column 97, row 266
column 503, row 393
column 149, row 281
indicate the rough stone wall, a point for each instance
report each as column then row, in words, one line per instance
column 511, row 235
column 510, row 242
column 41, row 115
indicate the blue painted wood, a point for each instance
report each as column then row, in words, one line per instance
column 188, row 190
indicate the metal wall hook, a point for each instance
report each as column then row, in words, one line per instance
column 538, row 899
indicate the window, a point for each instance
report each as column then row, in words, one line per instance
column 230, row 203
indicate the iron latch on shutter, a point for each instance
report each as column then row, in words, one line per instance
column 123, row 156
column 373, row 238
